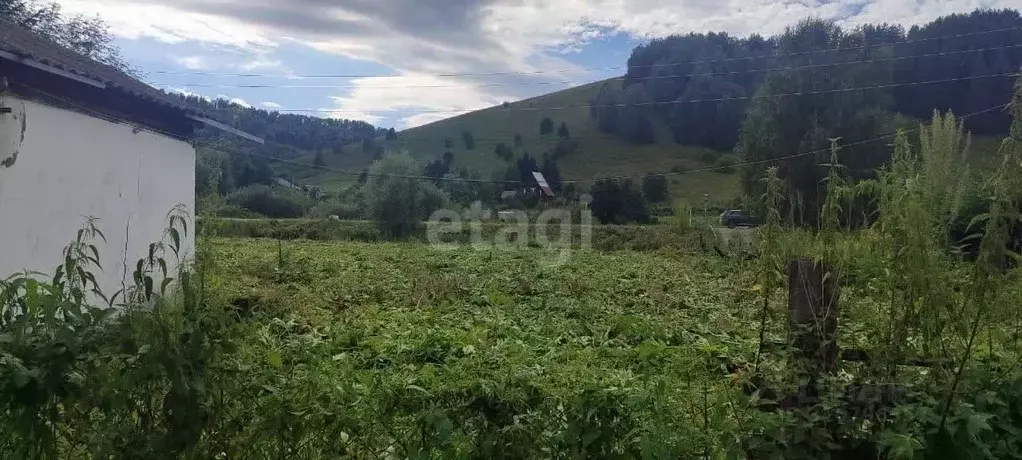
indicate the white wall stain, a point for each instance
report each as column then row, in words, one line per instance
column 12, row 132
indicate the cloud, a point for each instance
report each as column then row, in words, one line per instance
column 169, row 23
column 271, row 105
column 185, row 92
column 192, row 62
column 376, row 97
column 422, row 37
column 261, row 62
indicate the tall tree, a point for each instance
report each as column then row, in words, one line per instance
column 781, row 127
column 635, row 121
column 551, row 173
column 469, row 139
column 950, row 59
column 503, row 151
column 546, row 126
column 562, row 131
column 604, row 108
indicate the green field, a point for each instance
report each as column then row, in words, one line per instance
column 598, row 155
column 617, row 345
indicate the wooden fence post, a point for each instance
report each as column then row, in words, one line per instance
column 813, row 294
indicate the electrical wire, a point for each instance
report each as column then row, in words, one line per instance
column 485, row 181
column 781, row 158
column 687, row 101
column 591, row 69
column 581, row 82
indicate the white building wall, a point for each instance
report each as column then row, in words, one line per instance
column 69, row 166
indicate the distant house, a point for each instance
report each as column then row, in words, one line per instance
column 79, row 138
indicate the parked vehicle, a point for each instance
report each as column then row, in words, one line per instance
column 736, row 218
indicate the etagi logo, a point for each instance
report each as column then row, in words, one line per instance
column 553, row 230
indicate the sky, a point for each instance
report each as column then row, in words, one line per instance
column 405, row 63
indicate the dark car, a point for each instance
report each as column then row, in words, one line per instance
column 736, row 218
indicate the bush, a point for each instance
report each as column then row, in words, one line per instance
column 546, row 126
column 619, row 202
column 682, row 213
column 340, row 208
column 709, row 157
column 726, row 165
column 270, row 201
column 654, row 186
column 399, row 205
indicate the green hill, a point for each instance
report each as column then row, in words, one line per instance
column 598, row 154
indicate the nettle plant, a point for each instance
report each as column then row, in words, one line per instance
column 121, row 379
column 939, row 376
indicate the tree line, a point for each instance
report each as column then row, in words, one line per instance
column 697, row 85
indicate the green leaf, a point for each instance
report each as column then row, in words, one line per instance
column 175, row 238
column 977, row 423
column 901, row 446
column 419, row 389
column 148, row 287
column 166, row 282
column 95, row 255
column 273, row 359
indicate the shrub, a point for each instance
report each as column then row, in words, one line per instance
column 339, row 208
column 399, row 205
column 682, row 213
column 726, row 165
column 654, row 186
column 269, row 201
column 708, row 157
column 620, row 202
column 546, row 126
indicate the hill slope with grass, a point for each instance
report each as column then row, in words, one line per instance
column 597, row 155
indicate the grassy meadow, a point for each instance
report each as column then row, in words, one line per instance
column 598, row 155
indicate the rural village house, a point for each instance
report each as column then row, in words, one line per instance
column 82, row 139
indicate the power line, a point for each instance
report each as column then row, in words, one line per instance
column 579, row 181
column 590, row 69
column 782, row 158
column 687, row 101
column 217, row 149
column 581, row 82
column 485, row 181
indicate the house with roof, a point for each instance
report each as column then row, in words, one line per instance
column 80, row 139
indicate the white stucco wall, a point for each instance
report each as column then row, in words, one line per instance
column 69, row 166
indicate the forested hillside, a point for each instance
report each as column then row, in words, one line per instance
column 687, row 101
column 702, row 84
column 236, row 162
